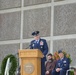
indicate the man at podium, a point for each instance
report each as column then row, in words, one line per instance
column 40, row 44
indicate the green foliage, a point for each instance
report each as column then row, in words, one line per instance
column 13, row 67
column 71, row 72
column 68, row 56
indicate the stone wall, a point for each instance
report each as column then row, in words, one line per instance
column 56, row 22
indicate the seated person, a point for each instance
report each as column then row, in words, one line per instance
column 49, row 64
column 62, row 64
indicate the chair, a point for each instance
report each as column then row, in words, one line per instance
column 67, row 73
column 71, row 69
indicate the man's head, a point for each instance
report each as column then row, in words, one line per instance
column 36, row 35
column 61, row 54
column 49, row 56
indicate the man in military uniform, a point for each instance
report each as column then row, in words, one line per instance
column 40, row 44
column 62, row 65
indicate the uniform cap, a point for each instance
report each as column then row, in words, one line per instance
column 35, row 33
column 60, row 51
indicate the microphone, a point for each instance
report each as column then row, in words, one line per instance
column 28, row 47
column 31, row 44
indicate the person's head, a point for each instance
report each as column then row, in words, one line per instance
column 36, row 35
column 49, row 56
column 61, row 54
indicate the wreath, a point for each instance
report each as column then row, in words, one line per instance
column 56, row 56
column 13, row 67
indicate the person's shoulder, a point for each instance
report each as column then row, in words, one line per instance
column 42, row 39
column 32, row 40
column 58, row 60
column 65, row 58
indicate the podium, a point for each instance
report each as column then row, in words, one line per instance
column 30, row 61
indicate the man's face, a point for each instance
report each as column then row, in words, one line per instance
column 49, row 57
column 61, row 55
column 36, row 37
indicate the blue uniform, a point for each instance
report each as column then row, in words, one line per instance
column 41, row 45
column 63, row 64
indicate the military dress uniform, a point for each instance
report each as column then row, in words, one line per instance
column 63, row 64
column 41, row 45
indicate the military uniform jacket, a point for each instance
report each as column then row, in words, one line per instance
column 41, row 45
column 63, row 64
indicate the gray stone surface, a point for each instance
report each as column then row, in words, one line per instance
column 10, row 26
column 4, row 4
column 48, row 42
column 8, row 49
column 26, row 46
column 65, row 19
column 69, row 45
column 58, row 0
column 35, row 2
column 37, row 19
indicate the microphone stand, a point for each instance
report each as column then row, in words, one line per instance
column 27, row 47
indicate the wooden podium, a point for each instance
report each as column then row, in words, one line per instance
column 30, row 61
